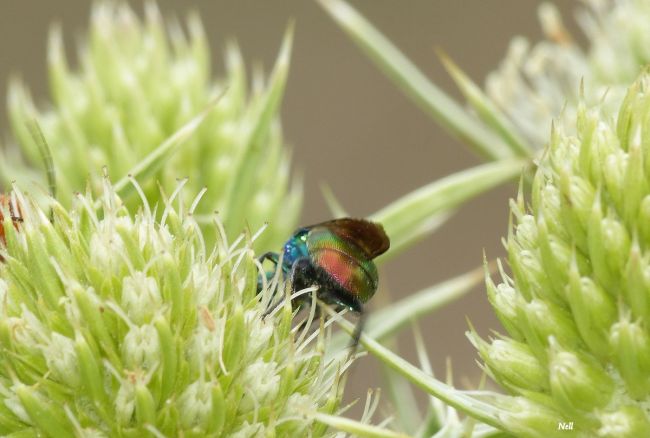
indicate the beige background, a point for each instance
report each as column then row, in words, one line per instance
column 349, row 126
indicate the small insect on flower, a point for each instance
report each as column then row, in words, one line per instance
column 336, row 257
column 6, row 205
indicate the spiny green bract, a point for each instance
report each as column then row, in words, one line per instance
column 114, row 324
column 577, row 308
column 137, row 83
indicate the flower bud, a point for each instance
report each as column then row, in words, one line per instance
column 594, row 311
column 514, row 365
column 550, row 208
column 263, row 380
column 196, row 405
column 627, row 421
column 555, row 256
column 545, row 320
column 504, row 300
column 614, row 174
column 609, row 247
column 526, row 231
column 578, row 383
column 140, row 297
column 61, row 358
column 577, row 202
column 141, row 349
column 528, row 271
column 525, row 417
column 631, row 354
column 634, row 184
column 636, row 282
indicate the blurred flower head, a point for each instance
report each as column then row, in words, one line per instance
column 138, row 82
column 535, row 85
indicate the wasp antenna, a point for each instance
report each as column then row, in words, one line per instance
column 46, row 154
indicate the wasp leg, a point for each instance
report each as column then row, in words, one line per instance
column 270, row 309
column 275, row 259
column 303, row 275
column 358, row 329
column 348, row 302
column 272, row 256
column 300, row 278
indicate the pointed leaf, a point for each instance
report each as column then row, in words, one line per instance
column 335, row 206
column 416, row 209
column 254, row 150
column 357, row 428
column 486, row 110
column 150, row 164
column 402, row 400
column 414, row 83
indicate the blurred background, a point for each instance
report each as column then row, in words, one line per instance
column 350, row 127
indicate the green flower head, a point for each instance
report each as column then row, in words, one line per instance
column 577, row 307
column 116, row 324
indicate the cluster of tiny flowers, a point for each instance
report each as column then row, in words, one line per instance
column 118, row 324
column 577, row 307
column 535, row 85
column 138, row 82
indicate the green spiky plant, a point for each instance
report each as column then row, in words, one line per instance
column 120, row 324
column 576, row 306
column 121, row 313
column 104, row 346
column 575, row 361
column 138, row 83
column 104, row 340
column 43, row 397
column 218, row 124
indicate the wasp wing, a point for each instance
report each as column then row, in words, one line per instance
column 368, row 236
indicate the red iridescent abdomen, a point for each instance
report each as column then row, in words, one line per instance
column 344, row 262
